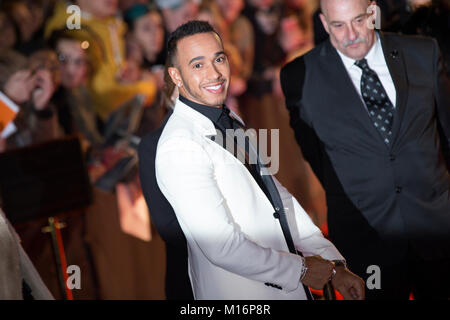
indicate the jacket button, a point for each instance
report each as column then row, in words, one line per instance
column 392, row 157
column 276, row 215
column 398, row 189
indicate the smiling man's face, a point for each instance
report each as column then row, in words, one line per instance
column 201, row 70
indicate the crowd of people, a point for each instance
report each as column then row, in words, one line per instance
column 93, row 79
column 71, row 80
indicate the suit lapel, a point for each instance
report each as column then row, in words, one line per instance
column 352, row 103
column 396, row 65
column 347, row 97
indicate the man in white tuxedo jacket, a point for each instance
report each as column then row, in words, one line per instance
column 236, row 247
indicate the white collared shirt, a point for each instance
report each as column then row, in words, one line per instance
column 377, row 62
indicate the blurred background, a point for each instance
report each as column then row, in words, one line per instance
column 89, row 82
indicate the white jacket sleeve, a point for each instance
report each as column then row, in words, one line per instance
column 185, row 175
column 307, row 237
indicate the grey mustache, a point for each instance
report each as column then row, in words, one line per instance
column 357, row 40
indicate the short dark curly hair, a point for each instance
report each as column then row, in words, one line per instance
column 188, row 29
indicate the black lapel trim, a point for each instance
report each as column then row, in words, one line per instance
column 396, row 65
column 349, row 99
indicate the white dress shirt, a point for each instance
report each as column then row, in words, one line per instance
column 377, row 62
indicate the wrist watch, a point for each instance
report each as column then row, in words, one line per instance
column 340, row 263
column 304, row 269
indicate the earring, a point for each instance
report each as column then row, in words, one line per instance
column 179, row 84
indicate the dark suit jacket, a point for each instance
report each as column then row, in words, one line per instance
column 178, row 285
column 379, row 198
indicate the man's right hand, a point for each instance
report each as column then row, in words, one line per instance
column 318, row 273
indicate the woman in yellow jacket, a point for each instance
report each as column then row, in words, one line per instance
column 103, row 33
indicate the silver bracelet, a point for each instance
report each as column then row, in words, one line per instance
column 304, row 269
column 338, row 263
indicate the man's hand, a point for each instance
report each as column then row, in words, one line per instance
column 319, row 272
column 348, row 284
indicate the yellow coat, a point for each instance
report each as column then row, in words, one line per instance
column 107, row 56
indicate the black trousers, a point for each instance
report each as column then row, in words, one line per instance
column 425, row 279
column 178, row 284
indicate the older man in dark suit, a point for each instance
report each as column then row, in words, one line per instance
column 371, row 113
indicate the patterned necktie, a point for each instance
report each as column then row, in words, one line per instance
column 380, row 108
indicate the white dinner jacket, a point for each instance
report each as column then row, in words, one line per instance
column 235, row 245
